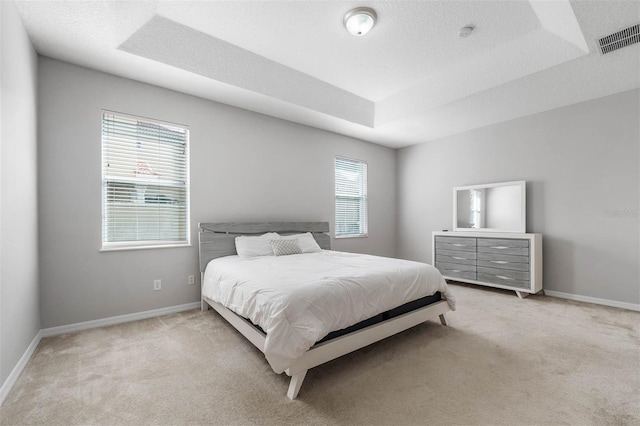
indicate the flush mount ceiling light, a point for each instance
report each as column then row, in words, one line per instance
column 466, row 30
column 360, row 20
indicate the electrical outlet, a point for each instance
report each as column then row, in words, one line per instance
column 191, row 279
column 157, row 284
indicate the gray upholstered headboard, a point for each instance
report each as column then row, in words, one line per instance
column 218, row 239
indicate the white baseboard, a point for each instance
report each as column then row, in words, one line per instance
column 605, row 302
column 13, row 377
column 102, row 322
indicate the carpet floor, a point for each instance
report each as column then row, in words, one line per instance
column 501, row 361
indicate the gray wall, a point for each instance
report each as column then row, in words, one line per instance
column 19, row 299
column 581, row 164
column 244, row 167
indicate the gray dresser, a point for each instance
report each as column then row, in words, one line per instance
column 509, row 261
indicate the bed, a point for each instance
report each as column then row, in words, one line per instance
column 306, row 309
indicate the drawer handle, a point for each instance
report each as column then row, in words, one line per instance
column 454, row 270
column 459, row 258
column 502, row 277
column 502, row 262
column 500, row 247
column 458, row 245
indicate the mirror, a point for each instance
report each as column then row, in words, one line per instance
column 494, row 207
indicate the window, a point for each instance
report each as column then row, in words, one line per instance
column 145, row 183
column 351, row 198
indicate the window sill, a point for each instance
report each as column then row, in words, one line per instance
column 352, row 236
column 143, row 247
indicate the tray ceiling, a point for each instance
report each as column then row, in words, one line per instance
column 410, row 80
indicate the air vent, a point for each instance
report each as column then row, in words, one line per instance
column 622, row 38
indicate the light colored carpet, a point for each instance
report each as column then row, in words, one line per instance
column 501, row 360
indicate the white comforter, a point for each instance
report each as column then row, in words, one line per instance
column 301, row 298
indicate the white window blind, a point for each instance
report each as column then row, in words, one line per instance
column 145, row 182
column 351, row 197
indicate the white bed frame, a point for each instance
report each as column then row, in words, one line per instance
column 218, row 239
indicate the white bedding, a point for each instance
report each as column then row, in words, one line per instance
column 301, row 298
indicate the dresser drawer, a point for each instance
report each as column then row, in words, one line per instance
column 454, row 270
column 503, row 261
column 493, row 279
column 455, row 244
column 503, row 277
column 454, row 267
column 503, row 246
column 465, row 275
column 451, row 256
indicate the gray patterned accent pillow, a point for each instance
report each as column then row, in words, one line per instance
column 285, row 247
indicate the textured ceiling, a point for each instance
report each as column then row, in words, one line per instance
column 410, row 80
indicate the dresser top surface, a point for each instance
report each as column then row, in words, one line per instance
column 479, row 234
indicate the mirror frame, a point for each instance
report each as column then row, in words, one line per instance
column 523, row 208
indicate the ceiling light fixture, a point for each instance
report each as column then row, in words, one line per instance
column 360, row 20
column 466, row 31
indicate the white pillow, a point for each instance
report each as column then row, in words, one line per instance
column 306, row 242
column 255, row 246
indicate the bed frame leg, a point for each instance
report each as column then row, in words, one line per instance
column 443, row 320
column 294, row 385
column 204, row 306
